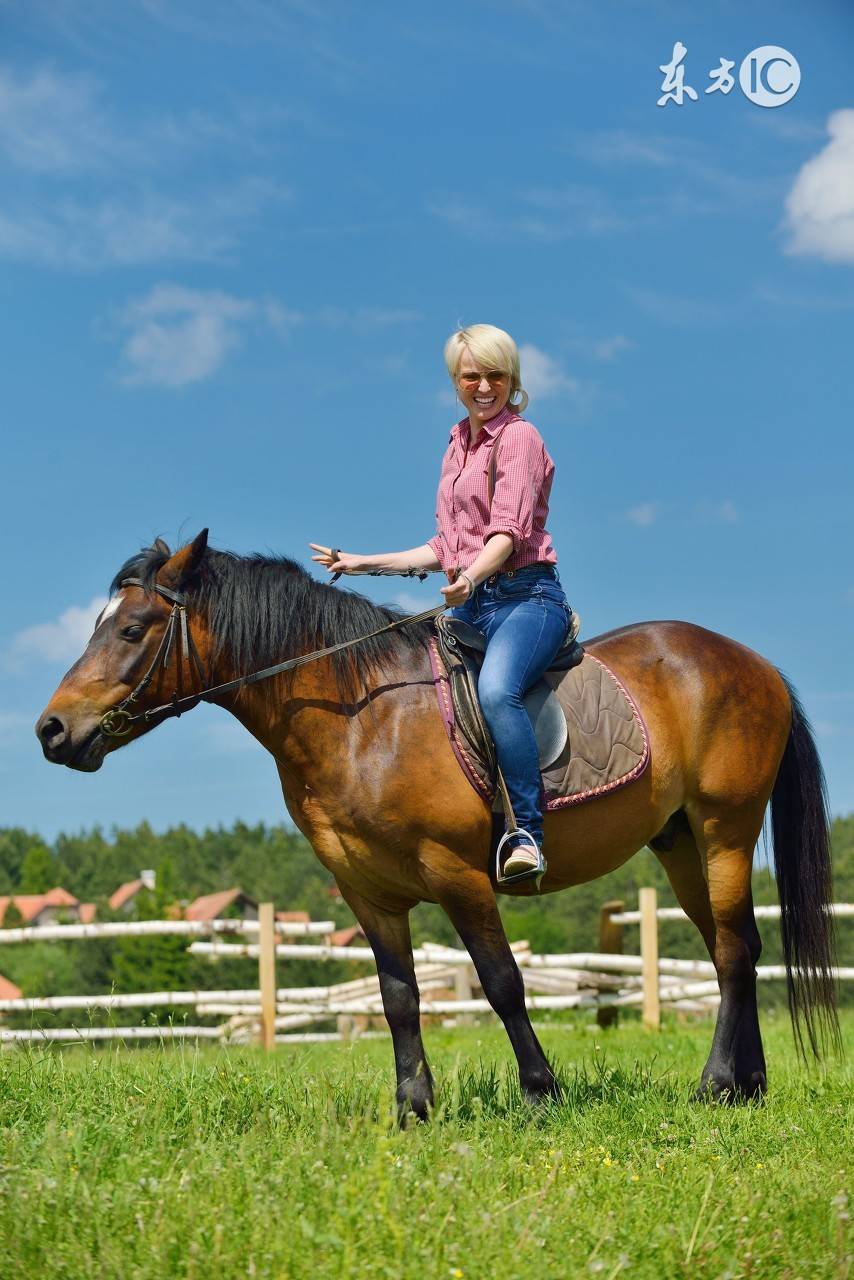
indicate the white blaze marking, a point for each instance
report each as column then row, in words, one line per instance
column 108, row 611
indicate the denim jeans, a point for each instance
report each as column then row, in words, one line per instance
column 524, row 617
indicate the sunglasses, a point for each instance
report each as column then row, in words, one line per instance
column 494, row 377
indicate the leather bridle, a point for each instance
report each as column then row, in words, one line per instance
column 118, row 722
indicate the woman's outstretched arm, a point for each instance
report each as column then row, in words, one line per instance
column 423, row 558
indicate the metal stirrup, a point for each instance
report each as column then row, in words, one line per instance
column 534, row 873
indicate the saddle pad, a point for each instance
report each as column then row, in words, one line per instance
column 607, row 741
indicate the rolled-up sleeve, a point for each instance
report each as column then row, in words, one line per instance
column 519, row 476
column 439, row 547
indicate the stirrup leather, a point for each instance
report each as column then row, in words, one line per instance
column 534, row 873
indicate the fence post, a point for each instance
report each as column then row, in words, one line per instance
column 463, row 974
column 267, row 973
column 648, row 904
column 610, row 944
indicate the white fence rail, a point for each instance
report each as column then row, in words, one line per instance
column 606, row 980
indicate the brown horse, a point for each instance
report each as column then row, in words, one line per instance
column 370, row 779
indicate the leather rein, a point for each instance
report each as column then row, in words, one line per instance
column 118, row 722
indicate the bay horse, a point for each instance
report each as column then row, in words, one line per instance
column 369, row 777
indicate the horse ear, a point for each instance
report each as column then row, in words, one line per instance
column 180, row 567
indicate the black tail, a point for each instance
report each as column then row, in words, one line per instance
column 800, row 822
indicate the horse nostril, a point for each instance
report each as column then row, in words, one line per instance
column 52, row 732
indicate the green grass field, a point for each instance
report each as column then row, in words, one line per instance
column 221, row 1163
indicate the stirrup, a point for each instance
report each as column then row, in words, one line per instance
column 534, row 873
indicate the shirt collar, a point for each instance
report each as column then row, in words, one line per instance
column 492, row 426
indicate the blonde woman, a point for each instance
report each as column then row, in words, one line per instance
column 499, row 560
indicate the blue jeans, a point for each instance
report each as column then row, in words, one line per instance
column 524, row 617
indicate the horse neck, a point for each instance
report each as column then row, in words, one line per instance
column 304, row 723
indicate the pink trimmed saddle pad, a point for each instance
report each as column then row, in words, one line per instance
column 607, row 742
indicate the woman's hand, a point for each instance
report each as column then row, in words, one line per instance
column 344, row 564
column 457, row 592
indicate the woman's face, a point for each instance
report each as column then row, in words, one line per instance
column 484, row 392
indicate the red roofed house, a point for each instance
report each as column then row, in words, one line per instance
column 353, row 934
column 8, row 990
column 213, row 906
column 293, row 917
column 43, row 908
column 124, row 897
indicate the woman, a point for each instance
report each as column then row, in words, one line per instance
column 499, row 560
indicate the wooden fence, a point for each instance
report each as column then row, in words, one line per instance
column 607, row 980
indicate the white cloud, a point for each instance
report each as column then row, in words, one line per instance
column 136, row 229
column 608, row 348
column 409, row 602
column 820, row 205
column 678, row 310
column 539, row 213
column 365, row 319
column 52, row 123
column 179, row 336
column 726, row 511
column 542, row 375
column 62, row 640
column 85, row 188
column 643, row 515
column 719, row 512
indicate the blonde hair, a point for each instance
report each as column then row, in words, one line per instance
column 490, row 348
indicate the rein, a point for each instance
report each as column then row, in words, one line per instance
column 119, row 721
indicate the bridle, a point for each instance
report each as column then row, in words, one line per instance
column 118, row 722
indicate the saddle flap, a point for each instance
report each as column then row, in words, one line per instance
column 464, row 633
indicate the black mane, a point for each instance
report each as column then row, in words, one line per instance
column 263, row 609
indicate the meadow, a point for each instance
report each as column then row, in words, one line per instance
column 177, row 1161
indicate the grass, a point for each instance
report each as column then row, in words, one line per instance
column 164, row 1162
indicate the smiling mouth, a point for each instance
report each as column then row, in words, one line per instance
column 484, row 401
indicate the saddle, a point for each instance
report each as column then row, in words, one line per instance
column 589, row 732
column 462, row 647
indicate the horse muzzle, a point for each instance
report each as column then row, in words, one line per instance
column 60, row 745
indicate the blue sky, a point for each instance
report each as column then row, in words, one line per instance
column 234, row 237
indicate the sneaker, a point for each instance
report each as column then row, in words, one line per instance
column 525, row 858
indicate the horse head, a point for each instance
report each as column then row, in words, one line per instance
column 140, row 643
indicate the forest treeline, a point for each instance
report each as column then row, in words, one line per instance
column 277, row 864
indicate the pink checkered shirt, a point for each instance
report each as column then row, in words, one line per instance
column 520, row 502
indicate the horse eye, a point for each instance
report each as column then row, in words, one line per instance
column 133, row 632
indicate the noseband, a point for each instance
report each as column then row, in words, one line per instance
column 118, row 722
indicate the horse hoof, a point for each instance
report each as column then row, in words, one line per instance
column 730, row 1092
column 547, row 1090
column 414, row 1100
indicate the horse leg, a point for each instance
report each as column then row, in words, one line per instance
column 473, row 911
column 736, row 1066
column 391, row 943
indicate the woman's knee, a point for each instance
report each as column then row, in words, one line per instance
column 496, row 695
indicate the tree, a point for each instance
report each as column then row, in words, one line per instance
column 38, row 870
column 14, row 844
column 153, row 963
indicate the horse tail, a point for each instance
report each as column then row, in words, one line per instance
column 800, row 824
